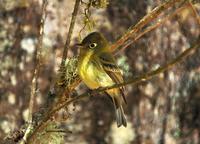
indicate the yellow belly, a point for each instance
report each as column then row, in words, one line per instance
column 89, row 77
column 92, row 76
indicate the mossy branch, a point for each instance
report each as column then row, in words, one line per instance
column 59, row 87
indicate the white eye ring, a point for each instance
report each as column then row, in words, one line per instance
column 93, row 45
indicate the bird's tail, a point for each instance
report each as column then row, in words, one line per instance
column 120, row 117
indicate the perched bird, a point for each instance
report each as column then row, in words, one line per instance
column 97, row 68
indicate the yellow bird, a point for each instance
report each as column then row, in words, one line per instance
column 97, row 68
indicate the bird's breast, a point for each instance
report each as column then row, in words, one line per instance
column 92, row 74
column 88, row 72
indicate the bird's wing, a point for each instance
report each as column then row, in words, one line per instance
column 110, row 67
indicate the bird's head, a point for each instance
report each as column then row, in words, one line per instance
column 95, row 42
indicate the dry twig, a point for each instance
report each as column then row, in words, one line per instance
column 69, row 35
column 148, row 18
column 195, row 13
column 36, row 73
column 150, row 28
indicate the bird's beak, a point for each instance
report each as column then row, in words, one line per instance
column 79, row 45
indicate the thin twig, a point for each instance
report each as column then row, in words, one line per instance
column 59, row 131
column 38, row 60
column 150, row 28
column 148, row 18
column 69, row 35
column 195, row 13
column 36, row 72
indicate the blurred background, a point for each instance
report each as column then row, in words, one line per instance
column 162, row 110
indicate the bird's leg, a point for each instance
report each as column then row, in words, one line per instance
column 90, row 93
column 93, row 92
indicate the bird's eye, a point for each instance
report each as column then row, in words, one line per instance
column 93, row 45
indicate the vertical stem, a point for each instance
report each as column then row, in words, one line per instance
column 35, row 74
column 69, row 35
column 37, row 61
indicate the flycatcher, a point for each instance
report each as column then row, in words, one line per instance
column 97, row 68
